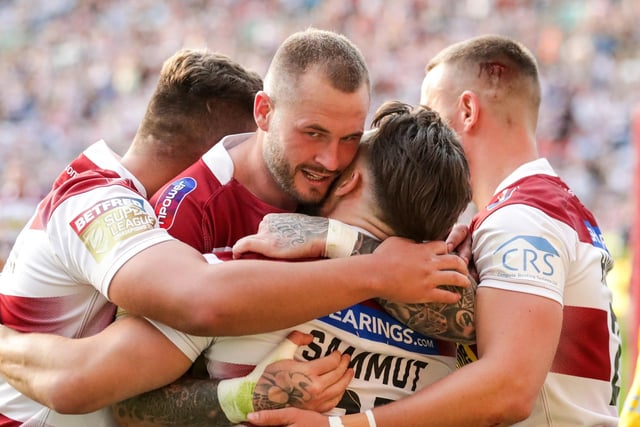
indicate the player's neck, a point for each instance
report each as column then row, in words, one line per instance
column 146, row 171
column 359, row 215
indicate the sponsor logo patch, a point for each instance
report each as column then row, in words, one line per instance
column 110, row 221
column 169, row 202
column 378, row 326
column 596, row 236
column 503, row 197
column 527, row 257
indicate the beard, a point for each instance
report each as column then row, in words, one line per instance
column 284, row 174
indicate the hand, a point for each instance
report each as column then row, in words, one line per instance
column 290, row 417
column 459, row 241
column 414, row 272
column 286, row 236
column 317, row 385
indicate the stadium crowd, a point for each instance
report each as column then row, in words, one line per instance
column 75, row 71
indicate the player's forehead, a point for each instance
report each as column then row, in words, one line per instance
column 330, row 110
column 431, row 81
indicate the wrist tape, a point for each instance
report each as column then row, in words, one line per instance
column 370, row 418
column 341, row 239
column 236, row 394
column 335, row 421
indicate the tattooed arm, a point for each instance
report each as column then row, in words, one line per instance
column 190, row 402
column 299, row 236
column 317, row 385
column 186, row 402
column 293, row 235
column 451, row 322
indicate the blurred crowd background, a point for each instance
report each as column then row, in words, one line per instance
column 75, row 71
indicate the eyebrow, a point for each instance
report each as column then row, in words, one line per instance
column 323, row 130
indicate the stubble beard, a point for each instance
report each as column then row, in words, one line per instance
column 284, row 175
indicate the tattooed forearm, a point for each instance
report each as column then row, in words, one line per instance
column 191, row 402
column 305, row 236
column 187, row 402
column 451, row 322
column 297, row 229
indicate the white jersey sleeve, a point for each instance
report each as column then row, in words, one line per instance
column 190, row 345
column 96, row 232
column 520, row 248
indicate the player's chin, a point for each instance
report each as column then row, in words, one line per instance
column 310, row 196
column 311, row 193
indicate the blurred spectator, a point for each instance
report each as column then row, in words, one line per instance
column 75, row 71
column 18, row 199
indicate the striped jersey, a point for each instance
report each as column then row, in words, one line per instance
column 57, row 276
column 390, row 360
column 536, row 237
column 208, row 209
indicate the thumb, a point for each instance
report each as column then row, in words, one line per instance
column 299, row 338
column 270, row 417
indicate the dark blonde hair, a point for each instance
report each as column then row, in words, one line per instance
column 334, row 55
column 200, row 97
column 497, row 62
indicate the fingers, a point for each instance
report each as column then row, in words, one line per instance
column 300, row 338
column 338, row 384
column 457, row 236
column 326, row 379
column 444, row 296
column 274, row 417
column 251, row 243
column 451, row 262
column 459, row 240
column 332, row 367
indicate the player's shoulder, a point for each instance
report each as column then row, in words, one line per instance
column 544, row 193
column 89, row 183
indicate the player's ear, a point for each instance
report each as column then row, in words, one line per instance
column 348, row 183
column 262, row 110
column 469, row 108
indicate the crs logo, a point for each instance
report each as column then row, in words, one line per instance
column 530, row 256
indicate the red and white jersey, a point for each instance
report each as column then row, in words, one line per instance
column 206, row 207
column 390, row 360
column 57, row 276
column 536, row 237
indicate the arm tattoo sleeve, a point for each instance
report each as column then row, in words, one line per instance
column 296, row 230
column 191, row 402
column 187, row 402
column 451, row 322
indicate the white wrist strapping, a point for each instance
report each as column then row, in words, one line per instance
column 370, row 418
column 236, row 394
column 335, row 422
column 341, row 239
